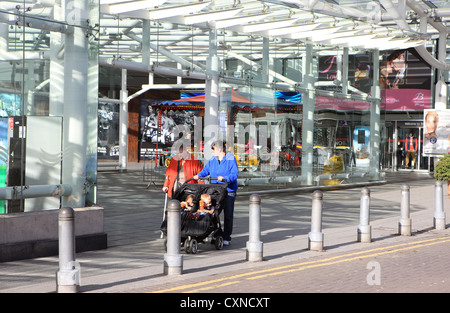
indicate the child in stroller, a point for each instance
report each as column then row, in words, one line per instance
column 195, row 227
column 205, row 207
column 188, row 203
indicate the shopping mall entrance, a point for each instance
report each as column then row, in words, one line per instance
column 402, row 153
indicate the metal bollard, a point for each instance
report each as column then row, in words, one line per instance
column 173, row 259
column 404, row 225
column 68, row 274
column 254, row 244
column 364, row 229
column 315, row 237
column 439, row 213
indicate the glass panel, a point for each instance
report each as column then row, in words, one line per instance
column 43, row 158
column 12, row 97
column 388, row 146
column 92, row 81
column 108, row 131
column 264, row 132
column 267, row 131
column 32, row 87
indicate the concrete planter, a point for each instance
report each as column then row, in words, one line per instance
column 35, row 234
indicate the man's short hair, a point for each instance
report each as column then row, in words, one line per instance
column 219, row 145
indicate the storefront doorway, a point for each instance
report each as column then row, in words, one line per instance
column 400, row 151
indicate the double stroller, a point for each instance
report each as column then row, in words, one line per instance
column 193, row 229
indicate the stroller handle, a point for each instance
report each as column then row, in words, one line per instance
column 207, row 178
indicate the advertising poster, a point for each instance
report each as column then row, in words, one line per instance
column 160, row 123
column 436, row 132
column 405, row 81
column 361, row 146
column 108, row 131
column 359, row 71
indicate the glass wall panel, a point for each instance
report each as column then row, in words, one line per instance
column 12, row 97
column 341, row 137
column 264, row 127
column 263, row 92
column 89, row 183
column 34, row 43
column 263, row 130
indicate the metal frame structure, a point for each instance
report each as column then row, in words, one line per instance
column 151, row 32
column 195, row 40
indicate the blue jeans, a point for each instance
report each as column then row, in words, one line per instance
column 228, row 213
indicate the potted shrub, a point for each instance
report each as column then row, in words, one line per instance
column 442, row 170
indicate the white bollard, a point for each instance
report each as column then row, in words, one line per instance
column 315, row 237
column 439, row 213
column 404, row 224
column 173, row 259
column 68, row 274
column 364, row 228
column 254, row 244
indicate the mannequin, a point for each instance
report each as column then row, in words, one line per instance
column 411, row 148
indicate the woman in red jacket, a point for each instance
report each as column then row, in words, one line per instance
column 182, row 167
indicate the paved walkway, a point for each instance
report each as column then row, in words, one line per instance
column 134, row 260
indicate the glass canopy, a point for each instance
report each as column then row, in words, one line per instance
column 267, row 42
column 182, row 26
column 178, row 29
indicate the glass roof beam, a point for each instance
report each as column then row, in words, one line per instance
column 329, row 9
column 174, row 11
column 128, row 6
column 170, row 55
column 252, row 63
column 140, row 67
column 421, row 49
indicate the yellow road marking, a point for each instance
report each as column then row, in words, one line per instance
column 309, row 264
column 213, row 287
column 348, row 259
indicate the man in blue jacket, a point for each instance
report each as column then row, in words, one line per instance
column 223, row 166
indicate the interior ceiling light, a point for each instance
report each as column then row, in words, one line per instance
column 331, row 35
column 129, row 6
column 378, row 41
column 239, row 20
column 259, row 27
column 290, row 3
column 292, row 29
column 401, row 43
column 314, row 32
column 210, row 16
column 355, row 40
column 106, row 2
column 169, row 12
column 102, row 2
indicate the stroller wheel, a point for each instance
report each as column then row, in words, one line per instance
column 187, row 246
column 193, row 246
column 219, row 243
